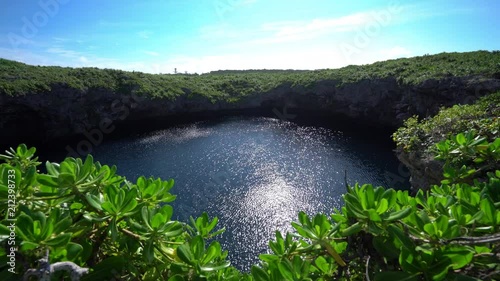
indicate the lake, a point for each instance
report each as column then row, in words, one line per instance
column 254, row 173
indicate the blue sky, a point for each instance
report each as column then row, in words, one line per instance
column 157, row 36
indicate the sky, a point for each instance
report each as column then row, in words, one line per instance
column 198, row 36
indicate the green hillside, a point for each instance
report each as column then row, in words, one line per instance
column 19, row 79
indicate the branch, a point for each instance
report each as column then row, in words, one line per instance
column 461, row 240
column 474, row 240
column 367, row 273
column 131, row 234
column 44, row 274
column 45, row 271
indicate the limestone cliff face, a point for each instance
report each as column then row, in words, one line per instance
column 66, row 111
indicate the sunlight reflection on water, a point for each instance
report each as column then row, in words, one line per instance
column 255, row 174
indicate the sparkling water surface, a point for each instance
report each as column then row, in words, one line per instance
column 254, row 174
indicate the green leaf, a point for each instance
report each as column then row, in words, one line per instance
column 406, row 242
column 383, row 205
column 197, row 246
column 73, row 250
column 488, row 208
column 430, row 228
column 460, row 139
column 269, row 258
column 442, row 223
column 28, row 246
column 172, row 228
column 286, row 270
column 47, row 180
column 460, row 256
column 185, row 254
column 351, row 230
column 398, row 215
column 62, row 224
column 440, row 269
column 213, row 251
column 157, row 221
column 372, row 215
column 89, row 163
column 94, row 201
column 52, row 168
column 25, row 225
column 149, row 250
column 322, row 264
column 214, row 267
column 482, row 249
column 59, row 241
column 145, row 214
column 408, row 261
column 304, row 231
column 259, row 274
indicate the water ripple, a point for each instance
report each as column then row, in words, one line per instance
column 255, row 174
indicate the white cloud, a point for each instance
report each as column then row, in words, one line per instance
column 59, row 39
column 312, row 59
column 145, row 34
column 64, row 52
column 300, row 30
column 395, row 52
column 247, row 2
column 319, row 26
column 25, row 56
column 155, row 54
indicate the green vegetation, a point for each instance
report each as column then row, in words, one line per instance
column 481, row 117
column 442, row 135
column 84, row 213
column 20, row 79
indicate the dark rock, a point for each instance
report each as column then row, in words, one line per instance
column 424, row 170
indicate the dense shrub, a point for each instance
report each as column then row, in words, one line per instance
column 481, row 117
column 19, row 79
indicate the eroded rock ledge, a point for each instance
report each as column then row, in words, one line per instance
column 65, row 111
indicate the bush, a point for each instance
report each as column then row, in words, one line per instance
column 481, row 117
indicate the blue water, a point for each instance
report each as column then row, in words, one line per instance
column 254, row 174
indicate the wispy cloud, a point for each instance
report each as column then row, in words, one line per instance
column 64, row 52
column 155, row 54
column 395, row 52
column 318, row 26
column 73, row 57
column 145, row 34
column 26, row 56
column 59, row 39
column 246, row 2
column 120, row 24
column 292, row 31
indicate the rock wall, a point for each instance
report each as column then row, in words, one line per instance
column 65, row 111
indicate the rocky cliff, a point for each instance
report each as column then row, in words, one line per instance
column 64, row 111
